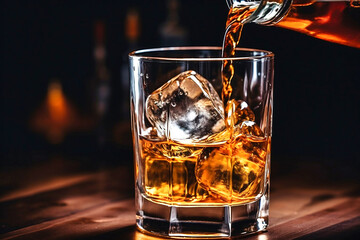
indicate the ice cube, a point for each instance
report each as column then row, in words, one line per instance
column 241, row 119
column 250, row 129
column 165, row 179
column 234, row 171
column 238, row 111
column 186, row 109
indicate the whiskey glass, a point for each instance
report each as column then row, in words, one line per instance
column 202, row 166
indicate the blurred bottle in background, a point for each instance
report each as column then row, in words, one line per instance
column 132, row 32
column 171, row 32
column 100, row 84
column 57, row 116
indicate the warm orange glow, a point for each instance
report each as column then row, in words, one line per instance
column 138, row 235
column 132, row 25
column 355, row 3
column 50, row 185
column 57, row 105
column 331, row 38
column 334, row 21
column 297, row 3
column 295, row 23
column 323, row 20
column 56, row 116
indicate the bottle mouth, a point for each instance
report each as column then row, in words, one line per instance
column 268, row 12
column 239, row 3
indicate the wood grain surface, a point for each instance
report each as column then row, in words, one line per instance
column 59, row 199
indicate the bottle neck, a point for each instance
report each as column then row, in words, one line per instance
column 268, row 12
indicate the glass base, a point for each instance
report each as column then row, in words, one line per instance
column 202, row 221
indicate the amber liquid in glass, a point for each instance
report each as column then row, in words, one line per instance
column 231, row 172
column 215, row 172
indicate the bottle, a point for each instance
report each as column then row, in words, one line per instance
column 336, row 21
column 171, row 31
column 101, row 83
column 122, row 129
column 132, row 34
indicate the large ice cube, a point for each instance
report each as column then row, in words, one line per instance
column 234, row 171
column 186, row 109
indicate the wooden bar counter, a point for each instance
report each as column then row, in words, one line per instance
column 62, row 199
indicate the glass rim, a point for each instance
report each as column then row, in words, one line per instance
column 140, row 54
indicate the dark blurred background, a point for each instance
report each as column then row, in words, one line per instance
column 48, row 60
